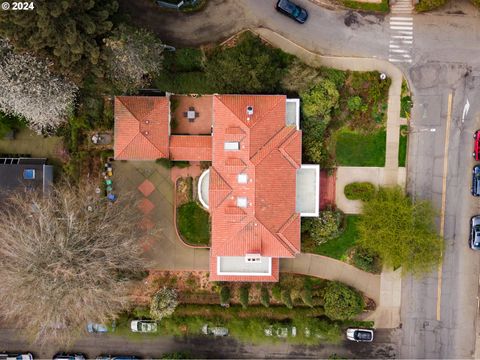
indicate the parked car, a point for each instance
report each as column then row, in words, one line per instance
column 143, row 326
column 292, row 10
column 66, row 356
column 214, row 330
column 476, row 180
column 117, row 357
column 476, row 145
column 360, row 335
column 97, row 328
column 280, row 332
column 474, row 240
column 23, row 356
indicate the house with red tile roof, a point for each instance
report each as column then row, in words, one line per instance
column 256, row 189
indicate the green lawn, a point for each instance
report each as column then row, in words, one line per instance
column 355, row 149
column 339, row 247
column 193, row 224
column 381, row 7
column 402, row 146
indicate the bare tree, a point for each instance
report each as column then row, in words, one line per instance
column 133, row 56
column 28, row 88
column 66, row 259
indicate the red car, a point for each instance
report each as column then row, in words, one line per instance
column 476, row 147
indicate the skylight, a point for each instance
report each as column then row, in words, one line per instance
column 231, row 145
column 242, row 202
column 242, row 178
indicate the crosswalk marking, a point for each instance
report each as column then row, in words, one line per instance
column 401, row 32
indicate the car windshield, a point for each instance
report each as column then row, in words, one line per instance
column 296, row 11
column 477, row 228
column 363, row 335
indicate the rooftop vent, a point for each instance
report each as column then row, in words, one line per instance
column 147, row 121
column 249, row 110
column 145, row 133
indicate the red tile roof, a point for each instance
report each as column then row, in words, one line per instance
column 270, row 154
column 191, row 147
column 141, row 127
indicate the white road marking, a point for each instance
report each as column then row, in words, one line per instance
column 400, row 18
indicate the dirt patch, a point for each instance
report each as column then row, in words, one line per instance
column 183, row 190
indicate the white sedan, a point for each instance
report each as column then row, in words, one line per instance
column 143, row 326
column 360, row 335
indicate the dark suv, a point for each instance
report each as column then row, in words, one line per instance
column 475, row 233
column 476, row 180
column 292, row 10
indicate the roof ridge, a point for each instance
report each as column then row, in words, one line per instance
column 282, row 239
column 284, row 151
column 275, row 140
column 290, row 220
column 219, row 97
column 139, row 121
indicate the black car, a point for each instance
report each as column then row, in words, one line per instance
column 66, row 356
column 476, row 180
column 292, row 10
column 474, row 240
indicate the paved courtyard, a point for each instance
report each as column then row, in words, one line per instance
column 154, row 190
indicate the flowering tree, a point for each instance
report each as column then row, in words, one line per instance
column 29, row 89
column 163, row 303
column 133, row 56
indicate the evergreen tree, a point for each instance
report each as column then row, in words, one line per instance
column 68, row 31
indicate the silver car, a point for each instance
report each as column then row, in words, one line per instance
column 475, row 233
column 143, row 326
column 360, row 335
column 214, row 330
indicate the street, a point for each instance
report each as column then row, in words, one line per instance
column 204, row 347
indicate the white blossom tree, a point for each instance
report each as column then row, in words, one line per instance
column 164, row 303
column 133, row 56
column 29, row 89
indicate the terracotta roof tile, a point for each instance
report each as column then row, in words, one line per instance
column 191, row 147
column 141, row 127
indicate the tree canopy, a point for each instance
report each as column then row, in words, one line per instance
column 320, row 100
column 66, row 259
column 249, row 67
column 68, row 31
column 341, row 302
column 133, row 56
column 400, row 231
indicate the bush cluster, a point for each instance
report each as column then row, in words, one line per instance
column 364, row 191
column 163, row 303
column 324, row 227
column 342, row 302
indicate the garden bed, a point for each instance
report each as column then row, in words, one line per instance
column 193, row 223
column 403, row 146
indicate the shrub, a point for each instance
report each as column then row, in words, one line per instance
column 341, row 302
column 181, row 164
column 244, row 293
column 324, row 227
column 287, row 298
column 224, row 295
column 166, row 163
column 277, row 292
column 306, row 295
column 313, row 139
column 427, row 5
column 366, row 260
column 354, row 103
column 163, row 303
column 364, row 191
column 320, row 100
column 265, row 297
column 184, row 60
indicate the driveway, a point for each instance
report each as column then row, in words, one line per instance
column 154, row 188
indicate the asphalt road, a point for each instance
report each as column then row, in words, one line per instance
column 205, row 347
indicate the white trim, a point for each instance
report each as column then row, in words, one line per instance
column 297, row 112
column 244, row 273
column 199, row 190
column 317, row 187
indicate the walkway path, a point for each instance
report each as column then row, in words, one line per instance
column 331, row 269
